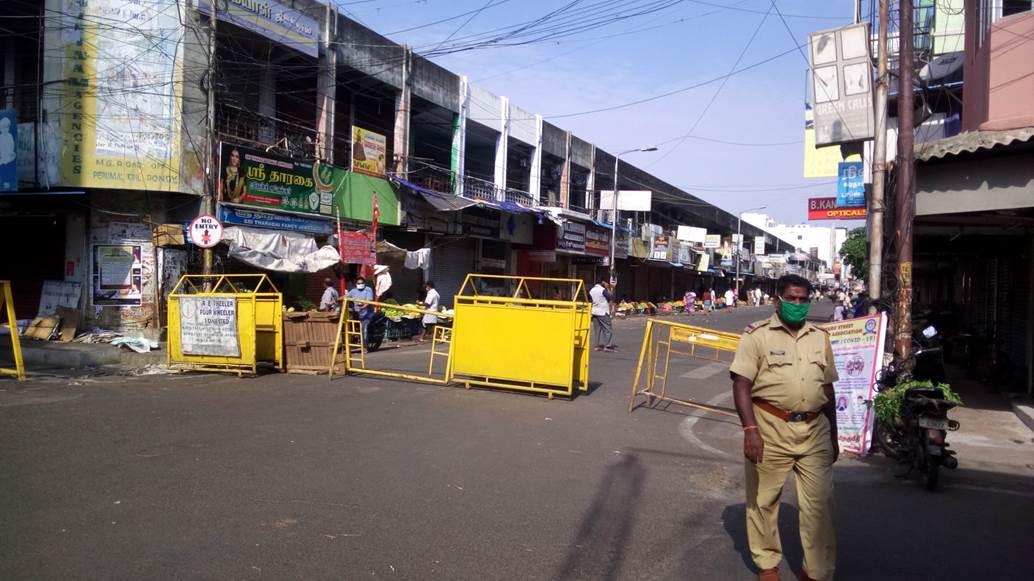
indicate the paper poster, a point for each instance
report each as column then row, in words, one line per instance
column 117, row 279
column 208, row 326
column 858, row 353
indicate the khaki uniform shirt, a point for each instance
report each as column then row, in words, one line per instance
column 787, row 371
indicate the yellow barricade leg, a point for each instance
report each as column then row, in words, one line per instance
column 7, row 300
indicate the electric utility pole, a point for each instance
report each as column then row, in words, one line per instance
column 879, row 162
column 208, row 202
column 906, row 204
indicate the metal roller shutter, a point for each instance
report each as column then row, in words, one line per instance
column 451, row 262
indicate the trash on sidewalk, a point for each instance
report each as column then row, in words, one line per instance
column 138, row 344
column 98, row 335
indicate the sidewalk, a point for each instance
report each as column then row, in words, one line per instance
column 993, row 435
column 51, row 355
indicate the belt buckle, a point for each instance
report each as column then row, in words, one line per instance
column 798, row 417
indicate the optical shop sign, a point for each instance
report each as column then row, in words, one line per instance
column 208, row 326
column 858, row 354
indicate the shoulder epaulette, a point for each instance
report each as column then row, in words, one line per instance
column 756, row 325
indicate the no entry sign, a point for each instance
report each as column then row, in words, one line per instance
column 206, row 231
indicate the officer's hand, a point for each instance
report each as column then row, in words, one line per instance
column 753, row 446
column 836, row 446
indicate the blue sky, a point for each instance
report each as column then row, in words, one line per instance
column 673, row 48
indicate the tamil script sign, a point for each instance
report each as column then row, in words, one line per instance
column 274, row 221
column 277, row 21
column 826, row 209
column 255, row 178
column 368, row 152
column 858, row 355
column 208, row 326
column 851, row 184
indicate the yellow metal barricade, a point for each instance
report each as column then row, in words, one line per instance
column 356, row 360
column 7, row 303
column 661, row 340
column 513, row 340
column 230, row 322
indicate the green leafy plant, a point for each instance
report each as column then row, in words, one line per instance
column 889, row 401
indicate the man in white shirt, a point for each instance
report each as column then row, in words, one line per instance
column 329, row 302
column 600, row 296
column 730, row 298
column 431, row 300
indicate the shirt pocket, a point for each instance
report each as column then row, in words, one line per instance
column 778, row 369
column 816, row 368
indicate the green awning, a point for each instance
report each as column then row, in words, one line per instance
column 354, row 198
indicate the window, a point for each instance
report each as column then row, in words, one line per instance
column 1010, row 7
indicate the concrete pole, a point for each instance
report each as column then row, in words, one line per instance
column 208, row 202
column 502, row 150
column 614, row 223
column 402, row 112
column 906, row 205
column 879, row 164
column 326, row 89
column 736, row 253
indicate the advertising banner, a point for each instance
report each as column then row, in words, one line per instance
column 841, row 85
column 826, row 209
column 858, row 353
column 691, row 234
column 628, row 200
column 208, row 326
column 117, row 275
column 8, row 151
column 851, row 184
column 713, row 241
column 255, row 178
column 273, row 19
column 597, row 241
column 116, row 116
column 661, row 248
column 368, row 152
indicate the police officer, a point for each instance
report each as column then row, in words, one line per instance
column 782, row 381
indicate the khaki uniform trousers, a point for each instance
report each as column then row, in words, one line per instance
column 806, row 449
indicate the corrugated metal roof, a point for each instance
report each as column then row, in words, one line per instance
column 971, row 141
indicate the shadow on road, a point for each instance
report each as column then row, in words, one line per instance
column 734, row 519
column 598, row 549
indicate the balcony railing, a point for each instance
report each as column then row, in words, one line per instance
column 261, row 131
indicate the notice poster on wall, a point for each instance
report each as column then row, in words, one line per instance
column 858, row 354
column 208, row 326
column 357, row 248
column 117, row 277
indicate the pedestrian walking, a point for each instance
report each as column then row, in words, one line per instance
column 730, row 298
column 690, row 301
column 429, row 321
column 362, row 311
column 329, row 300
column 839, row 312
column 601, row 323
column 783, row 376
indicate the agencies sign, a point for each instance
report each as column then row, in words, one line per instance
column 826, row 209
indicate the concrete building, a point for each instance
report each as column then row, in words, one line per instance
column 823, row 242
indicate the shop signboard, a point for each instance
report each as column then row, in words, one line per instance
column 704, row 263
column 842, row 84
column 691, row 234
column 117, row 280
column 8, row 151
column 116, row 114
column 713, row 241
column 368, row 152
column 357, row 248
column 208, row 326
column 851, row 184
column 541, row 255
column 685, row 256
column 572, row 237
column 759, row 245
column 255, row 178
column 624, row 245
column 278, row 21
column 597, row 241
column 826, row 209
column 275, row 221
column 858, row 355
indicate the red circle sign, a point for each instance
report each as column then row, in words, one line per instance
column 206, row 231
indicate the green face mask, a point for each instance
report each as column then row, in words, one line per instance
column 793, row 314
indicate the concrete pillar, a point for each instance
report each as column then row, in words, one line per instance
column 459, row 137
column 565, row 174
column 267, row 106
column 535, row 179
column 402, row 111
column 590, row 186
column 502, row 148
column 326, row 89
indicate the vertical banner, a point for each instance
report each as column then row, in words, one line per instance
column 759, row 245
column 858, row 353
column 368, row 152
column 118, row 107
column 851, row 184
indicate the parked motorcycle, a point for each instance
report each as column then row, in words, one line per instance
column 918, row 438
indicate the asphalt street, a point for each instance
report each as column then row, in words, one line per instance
column 300, row 477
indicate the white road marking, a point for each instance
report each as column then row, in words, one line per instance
column 686, row 427
column 706, row 371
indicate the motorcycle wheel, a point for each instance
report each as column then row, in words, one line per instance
column 932, row 472
column 888, row 440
